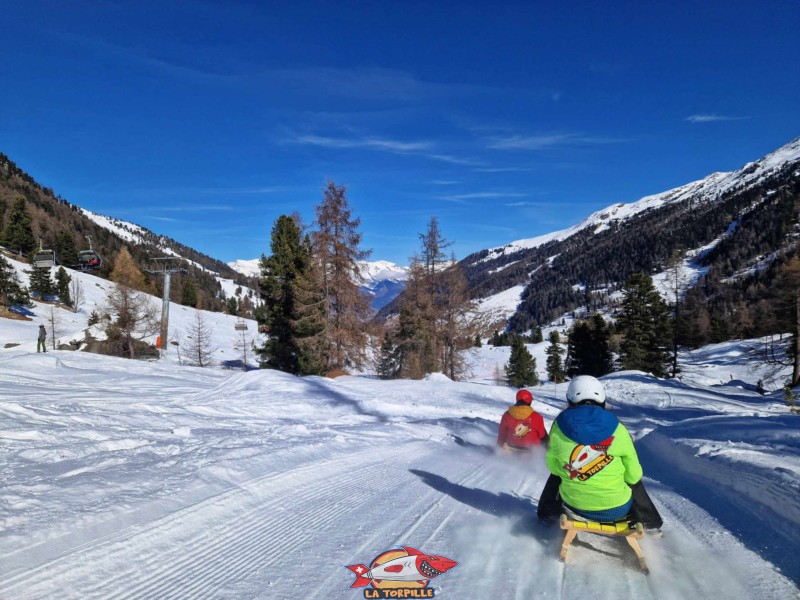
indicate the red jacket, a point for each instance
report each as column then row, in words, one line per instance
column 521, row 426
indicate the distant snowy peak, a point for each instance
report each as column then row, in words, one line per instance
column 707, row 190
column 250, row 268
column 381, row 280
column 373, row 273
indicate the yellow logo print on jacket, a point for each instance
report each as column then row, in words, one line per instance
column 587, row 460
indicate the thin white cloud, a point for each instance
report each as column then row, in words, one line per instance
column 712, row 118
column 538, row 142
column 369, row 142
column 424, row 149
column 480, row 196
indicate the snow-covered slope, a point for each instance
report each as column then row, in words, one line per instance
column 150, row 480
column 71, row 326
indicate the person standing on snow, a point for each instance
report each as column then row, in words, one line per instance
column 595, row 470
column 521, row 427
column 42, row 337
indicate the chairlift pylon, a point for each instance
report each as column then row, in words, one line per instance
column 89, row 260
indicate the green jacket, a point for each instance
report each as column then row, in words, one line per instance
column 593, row 454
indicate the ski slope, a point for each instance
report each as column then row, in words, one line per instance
column 128, row 479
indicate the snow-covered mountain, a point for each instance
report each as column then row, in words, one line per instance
column 248, row 267
column 382, row 281
column 722, row 221
column 704, row 190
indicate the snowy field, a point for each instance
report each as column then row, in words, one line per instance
column 136, row 479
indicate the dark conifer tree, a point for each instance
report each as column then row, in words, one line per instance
column 645, row 326
column 579, row 350
column 601, row 359
column 41, row 283
column 233, row 306
column 65, row 249
column 555, row 365
column 18, row 233
column 521, row 367
column 388, row 361
column 62, row 286
column 311, row 318
column 12, row 293
column 189, row 293
column 279, row 274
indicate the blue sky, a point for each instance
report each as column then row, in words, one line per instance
column 205, row 121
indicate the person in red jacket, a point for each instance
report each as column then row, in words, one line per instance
column 521, row 427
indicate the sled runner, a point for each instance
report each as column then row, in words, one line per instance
column 632, row 532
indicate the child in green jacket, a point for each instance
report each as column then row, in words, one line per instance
column 595, row 470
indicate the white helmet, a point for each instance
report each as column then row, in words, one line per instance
column 586, row 388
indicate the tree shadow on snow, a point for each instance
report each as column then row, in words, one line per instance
column 498, row 505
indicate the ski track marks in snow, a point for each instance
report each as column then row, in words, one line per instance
column 261, row 485
column 200, row 551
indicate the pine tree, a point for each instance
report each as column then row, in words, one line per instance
column 41, row 283
column 65, row 248
column 521, row 367
column 189, row 294
column 336, row 249
column 478, row 342
column 18, row 233
column 588, row 349
column 387, row 366
column 311, row 320
column 601, row 360
column 62, row 286
column 12, row 293
column 579, row 349
column 645, row 325
column 288, row 262
column 416, row 325
column 555, row 366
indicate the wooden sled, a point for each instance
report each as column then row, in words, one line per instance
column 617, row 529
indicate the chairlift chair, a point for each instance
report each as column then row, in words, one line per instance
column 89, row 260
column 44, row 258
column 240, row 326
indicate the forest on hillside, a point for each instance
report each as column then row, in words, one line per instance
column 57, row 224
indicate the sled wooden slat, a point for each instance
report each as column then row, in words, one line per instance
column 618, row 529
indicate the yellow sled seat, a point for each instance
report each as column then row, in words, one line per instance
column 617, row 529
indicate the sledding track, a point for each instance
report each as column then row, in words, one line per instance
column 279, row 533
column 251, row 513
column 203, row 549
